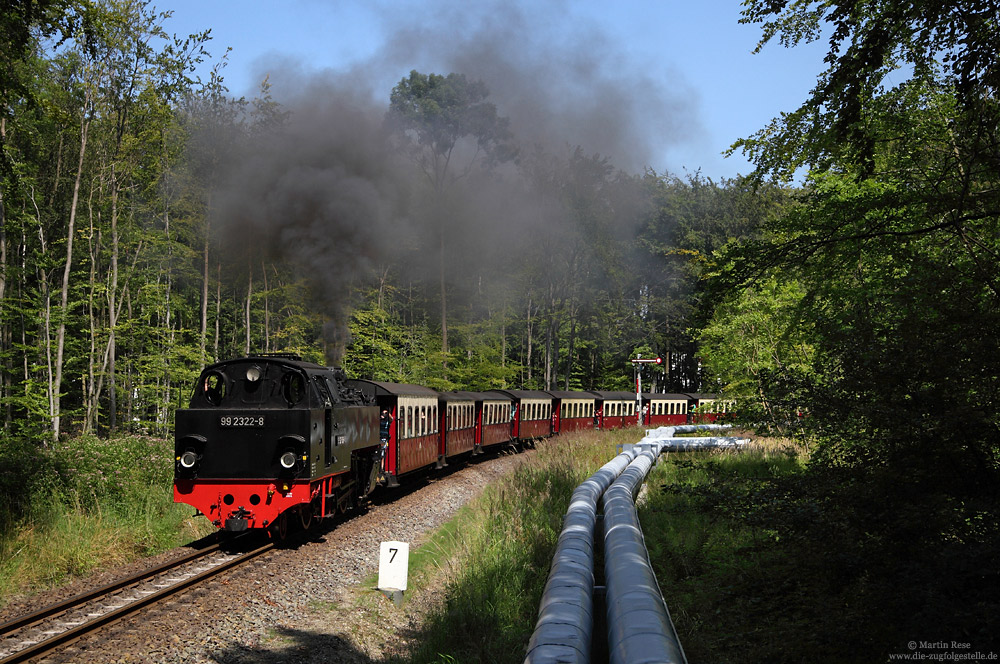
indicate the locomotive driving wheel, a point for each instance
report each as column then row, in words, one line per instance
column 280, row 527
column 306, row 515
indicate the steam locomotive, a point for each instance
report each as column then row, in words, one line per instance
column 270, row 439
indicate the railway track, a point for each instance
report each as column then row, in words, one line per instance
column 63, row 623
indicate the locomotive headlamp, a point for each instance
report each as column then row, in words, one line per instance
column 288, row 460
column 188, row 459
column 253, row 374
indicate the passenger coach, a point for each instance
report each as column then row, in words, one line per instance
column 413, row 441
column 458, row 424
column 532, row 413
column 615, row 410
column 574, row 411
column 664, row 409
column 494, row 415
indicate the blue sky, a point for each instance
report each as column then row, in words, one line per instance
column 671, row 83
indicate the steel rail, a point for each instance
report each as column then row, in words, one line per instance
column 76, row 600
column 77, row 632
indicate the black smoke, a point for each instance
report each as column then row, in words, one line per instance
column 325, row 191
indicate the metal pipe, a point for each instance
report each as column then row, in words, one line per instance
column 638, row 619
column 639, row 624
column 564, row 629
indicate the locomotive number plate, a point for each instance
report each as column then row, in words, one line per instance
column 230, row 421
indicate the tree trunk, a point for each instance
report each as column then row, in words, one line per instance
column 113, row 309
column 247, row 310
column 444, row 308
column 90, row 379
column 572, row 348
column 203, row 337
column 218, row 307
column 267, row 310
column 503, row 340
column 528, row 357
column 5, row 332
column 56, row 383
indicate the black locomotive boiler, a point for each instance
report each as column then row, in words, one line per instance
column 270, row 437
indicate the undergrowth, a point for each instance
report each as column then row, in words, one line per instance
column 82, row 504
column 760, row 555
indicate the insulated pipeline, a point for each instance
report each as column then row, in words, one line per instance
column 565, row 616
column 639, row 625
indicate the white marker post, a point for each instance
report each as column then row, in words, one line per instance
column 393, row 565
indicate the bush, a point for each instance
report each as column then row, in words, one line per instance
column 84, row 503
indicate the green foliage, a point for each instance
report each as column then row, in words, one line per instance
column 757, row 539
column 893, row 242
column 691, row 220
column 84, row 503
column 443, row 109
column 760, row 347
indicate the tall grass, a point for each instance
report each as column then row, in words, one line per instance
column 499, row 557
column 84, row 504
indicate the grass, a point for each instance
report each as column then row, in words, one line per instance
column 86, row 504
column 496, row 555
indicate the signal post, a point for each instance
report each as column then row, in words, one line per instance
column 637, row 367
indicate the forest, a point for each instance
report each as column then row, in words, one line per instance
column 846, row 292
column 153, row 224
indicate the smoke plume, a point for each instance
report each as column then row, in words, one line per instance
column 326, row 191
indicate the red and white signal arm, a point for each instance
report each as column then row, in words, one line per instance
column 658, row 360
